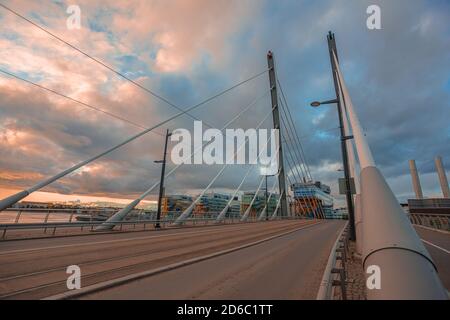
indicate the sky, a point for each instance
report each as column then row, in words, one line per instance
column 187, row 51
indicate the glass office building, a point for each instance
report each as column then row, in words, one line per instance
column 211, row 204
column 311, row 199
column 259, row 203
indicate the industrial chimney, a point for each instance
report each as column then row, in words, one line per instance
column 415, row 179
column 442, row 176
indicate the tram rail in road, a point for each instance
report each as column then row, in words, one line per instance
column 37, row 269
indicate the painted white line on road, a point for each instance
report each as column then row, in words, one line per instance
column 119, row 281
column 432, row 229
column 436, row 246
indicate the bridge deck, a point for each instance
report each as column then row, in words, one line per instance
column 438, row 245
column 288, row 266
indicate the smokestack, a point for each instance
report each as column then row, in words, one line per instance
column 415, row 179
column 442, row 176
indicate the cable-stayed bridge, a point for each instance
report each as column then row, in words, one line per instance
column 281, row 250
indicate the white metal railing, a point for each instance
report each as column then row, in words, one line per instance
column 167, row 221
column 435, row 221
column 335, row 273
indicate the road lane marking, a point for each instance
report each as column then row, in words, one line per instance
column 436, row 246
column 432, row 229
column 99, row 261
column 114, row 241
column 132, row 277
column 15, row 293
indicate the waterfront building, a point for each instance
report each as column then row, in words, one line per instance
column 173, row 204
column 259, row 203
column 211, row 204
column 311, row 198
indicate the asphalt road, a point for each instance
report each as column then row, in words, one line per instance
column 31, row 269
column 288, row 267
column 438, row 245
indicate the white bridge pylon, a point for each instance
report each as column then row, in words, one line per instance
column 388, row 239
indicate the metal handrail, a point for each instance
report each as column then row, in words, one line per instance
column 61, row 209
column 329, row 279
column 435, row 221
column 92, row 224
column 71, row 212
column 13, row 226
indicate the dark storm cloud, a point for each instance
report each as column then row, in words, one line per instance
column 398, row 78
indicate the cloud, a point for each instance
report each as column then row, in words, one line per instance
column 187, row 51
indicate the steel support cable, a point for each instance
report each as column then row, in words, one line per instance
column 298, row 159
column 295, row 130
column 275, row 182
column 301, row 150
column 294, row 166
column 114, row 70
column 316, row 201
column 6, row 202
column 313, row 200
column 264, row 210
column 145, row 194
column 222, row 214
column 224, row 211
column 115, row 115
column 284, row 97
column 294, row 201
column 303, row 156
column 274, row 215
column 290, row 166
column 77, row 101
column 120, row 74
column 186, row 213
column 292, row 172
column 285, row 139
column 109, row 224
column 302, row 161
column 290, row 138
column 302, row 165
column 301, row 207
column 306, row 200
column 247, row 211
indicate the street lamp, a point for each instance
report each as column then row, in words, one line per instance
column 264, row 172
column 345, row 161
column 315, row 104
column 161, row 183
